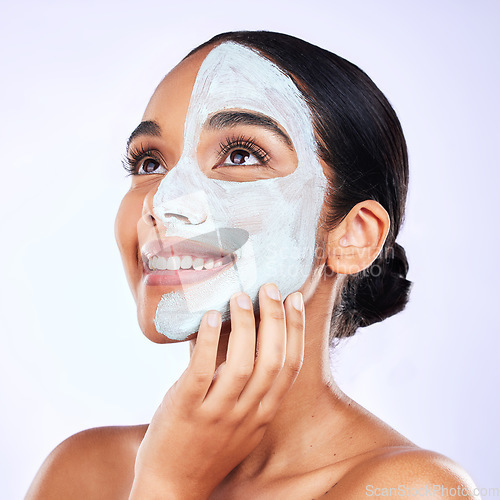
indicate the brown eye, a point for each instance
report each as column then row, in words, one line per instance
column 241, row 152
column 239, row 156
column 151, row 166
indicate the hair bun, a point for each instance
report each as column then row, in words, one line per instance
column 383, row 289
column 380, row 291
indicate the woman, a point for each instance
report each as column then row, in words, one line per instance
column 264, row 169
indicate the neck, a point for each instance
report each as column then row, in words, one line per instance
column 311, row 412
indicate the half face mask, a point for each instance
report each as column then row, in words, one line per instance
column 217, row 237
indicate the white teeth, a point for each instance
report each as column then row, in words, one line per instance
column 173, row 263
column 198, row 264
column 186, row 262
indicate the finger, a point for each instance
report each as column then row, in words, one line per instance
column 197, row 378
column 295, row 331
column 271, row 346
column 240, row 356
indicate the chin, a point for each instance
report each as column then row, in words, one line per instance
column 148, row 328
column 146, row 312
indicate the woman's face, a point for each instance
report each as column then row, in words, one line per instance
column 226, row 190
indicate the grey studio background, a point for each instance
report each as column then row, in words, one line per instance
column 76, row 77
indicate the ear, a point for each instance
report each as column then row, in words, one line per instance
column 356, row 242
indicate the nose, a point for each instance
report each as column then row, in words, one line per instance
column 185, row 209
column 181, row 198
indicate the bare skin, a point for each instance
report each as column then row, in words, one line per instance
column 295, row 435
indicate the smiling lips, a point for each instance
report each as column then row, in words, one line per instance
column 175, row 261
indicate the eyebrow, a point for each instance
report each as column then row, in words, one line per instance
column 148, row 127
column 229, row 119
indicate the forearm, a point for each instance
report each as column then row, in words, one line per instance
column 151, row 489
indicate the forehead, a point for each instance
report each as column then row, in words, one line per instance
column 235, row 76
column 227, row 72
column 231, row 71
column 228, row 76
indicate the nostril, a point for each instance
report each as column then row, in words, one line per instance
column 149, row 220
column 182, row 218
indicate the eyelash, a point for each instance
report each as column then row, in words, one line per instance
column 241, row 142
column 138, row 154
column 131, row 161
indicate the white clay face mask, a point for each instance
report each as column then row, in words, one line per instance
column 266, row 228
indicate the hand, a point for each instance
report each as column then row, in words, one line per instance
column 209, row 422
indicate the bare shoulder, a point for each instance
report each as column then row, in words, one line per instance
column 95, row 463
column 405, row 471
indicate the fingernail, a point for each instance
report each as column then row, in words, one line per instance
column 297, row 301
column 273, row 292
column 244, row 301
column 213, row 319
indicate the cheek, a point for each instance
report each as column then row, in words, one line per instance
column 126, row 228
column 264, row 208
column 121, row 222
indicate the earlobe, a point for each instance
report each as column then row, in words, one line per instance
column 356, row 242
